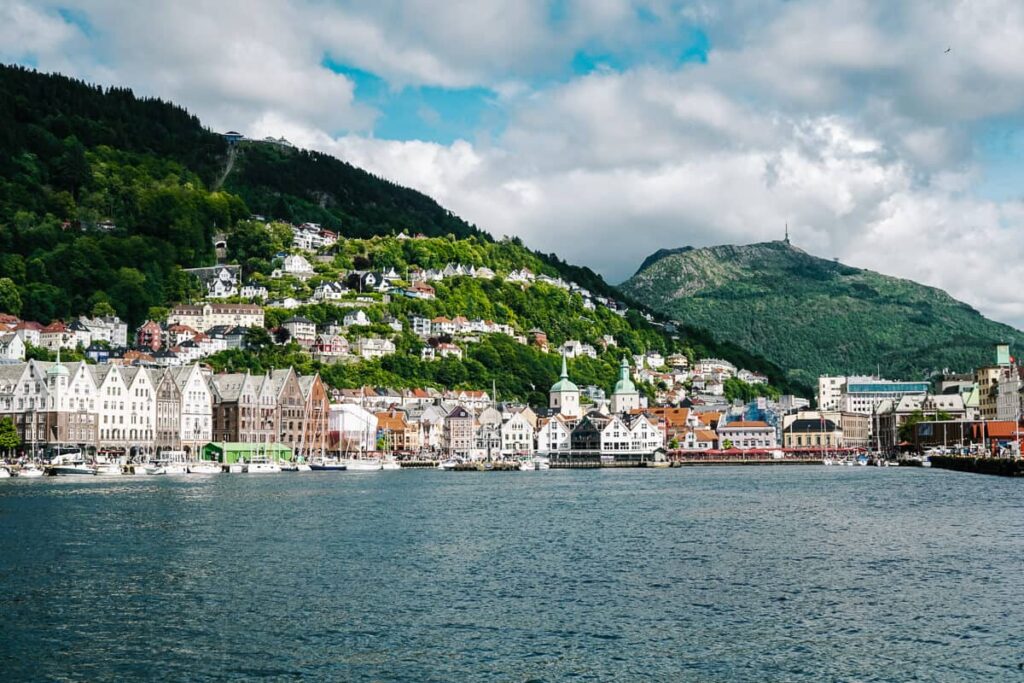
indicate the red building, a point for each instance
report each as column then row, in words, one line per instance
column 150, row 336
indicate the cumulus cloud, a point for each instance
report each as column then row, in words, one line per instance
column 845, row 118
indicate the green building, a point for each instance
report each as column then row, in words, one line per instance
column 232, row 452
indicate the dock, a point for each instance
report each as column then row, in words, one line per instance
column 1002, row 467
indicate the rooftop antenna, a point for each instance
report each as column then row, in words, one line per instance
column 786, row 241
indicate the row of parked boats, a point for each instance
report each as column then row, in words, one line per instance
column 74, row 464
column 862, row 461
column 534, row 464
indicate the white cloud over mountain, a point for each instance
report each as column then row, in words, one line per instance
column 848, row 120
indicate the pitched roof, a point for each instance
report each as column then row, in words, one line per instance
column 228, row 386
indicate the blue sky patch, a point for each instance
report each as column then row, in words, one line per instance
column 999, row 150
column 430, row 113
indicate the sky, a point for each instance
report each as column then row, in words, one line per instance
column 887, row 135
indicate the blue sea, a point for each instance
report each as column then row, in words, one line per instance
column 694, row 574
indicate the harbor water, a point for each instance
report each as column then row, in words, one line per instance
column 693, row 574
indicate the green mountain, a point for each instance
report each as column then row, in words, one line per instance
column 812, row 315
column 106, row 197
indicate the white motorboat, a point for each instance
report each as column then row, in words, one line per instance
column 390, row 464
column 69, row 462
column 262, row 466
column 31, row 471
column 363, row 465
column 107, row 469
column 539, row 463
column 4, row 473
column 289, row 466
column 154, row 468
column 204, row 467
column 448, row 464
column 173, row 462
column 236, row 468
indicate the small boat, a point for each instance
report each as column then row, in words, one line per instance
column 70, row 463
column 31, row 471
column 173, row 462
column 262, row 466
column 5, row 473
column 449, row 464
column 327, row 465
column 174, row 467
column 107, row 469
column 204, row 467
column 236, row 468
column 154, row 468
column 390, row 464
column 363, row 465
column 527, row 466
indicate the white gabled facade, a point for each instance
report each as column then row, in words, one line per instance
column 644, row 435
column 196, row 408
column 517, row 436
column 111, row 406
column 554, row 436
column 140, row 408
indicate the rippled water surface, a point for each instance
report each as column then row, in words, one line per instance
column 702, row 574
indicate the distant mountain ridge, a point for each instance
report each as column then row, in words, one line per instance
column 812, row 315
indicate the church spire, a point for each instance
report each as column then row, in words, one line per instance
column 565, row 369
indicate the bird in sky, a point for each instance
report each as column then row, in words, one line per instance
column 948, row 50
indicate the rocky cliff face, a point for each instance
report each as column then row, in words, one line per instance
column 812, row 315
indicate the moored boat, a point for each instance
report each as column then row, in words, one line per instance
column 31, row 471
column 390, row 464
column 173, row 462
column 69, row 462
column 204, row 467
column 262, row 466
column 327, row 465
column 4, row 473
column 363, row 465
column 107, row 469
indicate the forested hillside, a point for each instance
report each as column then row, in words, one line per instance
column 105, row 197
column 812, row 315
